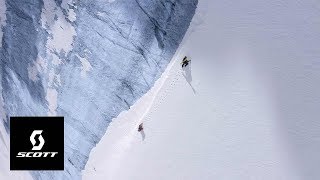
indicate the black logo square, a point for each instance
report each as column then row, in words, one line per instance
column 36, row 143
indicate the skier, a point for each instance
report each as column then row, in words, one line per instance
column 140, row 128
column 185, row 62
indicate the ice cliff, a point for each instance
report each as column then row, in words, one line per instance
column 84, row 60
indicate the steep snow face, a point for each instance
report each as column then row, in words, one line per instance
column 86, row 61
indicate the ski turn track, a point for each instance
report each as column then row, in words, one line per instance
column 126, row 124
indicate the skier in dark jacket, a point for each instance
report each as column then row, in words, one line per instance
column 140, row 128
column 185, row 62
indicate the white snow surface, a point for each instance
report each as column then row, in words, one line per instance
column 245, row 108
column 237, row 112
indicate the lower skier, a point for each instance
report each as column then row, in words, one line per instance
column 140, row 128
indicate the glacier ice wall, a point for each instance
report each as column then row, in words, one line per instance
column 86, row 61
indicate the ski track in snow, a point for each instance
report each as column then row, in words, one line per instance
column 114, row 145
column 173, row 76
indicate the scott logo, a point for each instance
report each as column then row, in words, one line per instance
column 39, row 147
column 33, row 141
column 36, row 143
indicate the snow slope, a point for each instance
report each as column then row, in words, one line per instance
column 246, row 107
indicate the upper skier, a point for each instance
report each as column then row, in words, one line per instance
column 185, row 62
